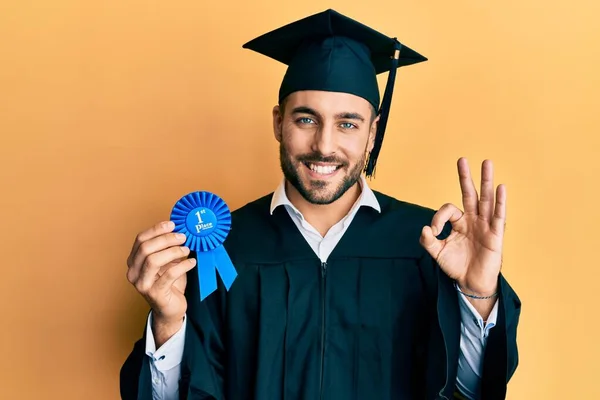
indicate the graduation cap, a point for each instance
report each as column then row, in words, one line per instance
column 331, row 52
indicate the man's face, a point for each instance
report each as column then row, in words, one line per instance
column 324, row 140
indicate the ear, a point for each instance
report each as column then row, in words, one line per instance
column 372, row 134
column 277, row 122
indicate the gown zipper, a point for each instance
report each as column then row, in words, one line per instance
column 323, row 277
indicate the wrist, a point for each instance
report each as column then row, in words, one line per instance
column 164, row 328
column 480, row 292
column 479, row 285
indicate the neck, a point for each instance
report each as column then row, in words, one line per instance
column 323, row 216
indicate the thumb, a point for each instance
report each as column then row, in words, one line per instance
column 429, row 242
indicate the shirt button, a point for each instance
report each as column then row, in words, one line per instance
column 156, row 381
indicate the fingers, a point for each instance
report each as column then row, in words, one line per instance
column 486, row 202
column 159, row 229
column 499, row 220
column 154, row 262
column 165, row 267
column 447, row 212
column 172, row 274
column 469, row 193
column 432, row 244
column 151, row 246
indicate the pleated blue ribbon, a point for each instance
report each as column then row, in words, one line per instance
column 206, row 221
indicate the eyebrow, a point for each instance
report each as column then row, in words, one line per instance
column 350, row 115
column 342, row 115
column 305, row 110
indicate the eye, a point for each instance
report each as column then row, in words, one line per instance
column 347, row 125
column 305, row 121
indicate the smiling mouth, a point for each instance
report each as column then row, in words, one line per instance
column 323, row 170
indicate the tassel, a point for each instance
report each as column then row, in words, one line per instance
column 384, row 111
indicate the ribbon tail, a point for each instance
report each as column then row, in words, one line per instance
column 207, row 276
column 225, row 266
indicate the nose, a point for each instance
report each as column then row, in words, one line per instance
column 324, row 140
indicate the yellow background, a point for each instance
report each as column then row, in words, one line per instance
column 107, row 108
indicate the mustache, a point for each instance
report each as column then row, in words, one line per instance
column 316, row 157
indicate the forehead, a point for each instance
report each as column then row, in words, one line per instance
column 327, row 102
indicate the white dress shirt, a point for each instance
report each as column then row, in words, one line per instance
column 165, row 362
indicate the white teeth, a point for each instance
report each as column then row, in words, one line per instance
column 323, row 170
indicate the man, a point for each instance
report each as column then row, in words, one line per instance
column 342, row 292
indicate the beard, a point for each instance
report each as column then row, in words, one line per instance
column 315, row 191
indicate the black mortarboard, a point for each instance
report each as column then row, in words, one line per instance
column 329, row 51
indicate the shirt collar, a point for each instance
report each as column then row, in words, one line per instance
column 367, row 197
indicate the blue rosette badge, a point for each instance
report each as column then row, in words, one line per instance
column 206, row 221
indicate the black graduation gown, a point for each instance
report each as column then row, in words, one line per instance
column 379, row 320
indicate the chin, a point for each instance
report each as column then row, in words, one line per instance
column 320, row 196
column 320, row 191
